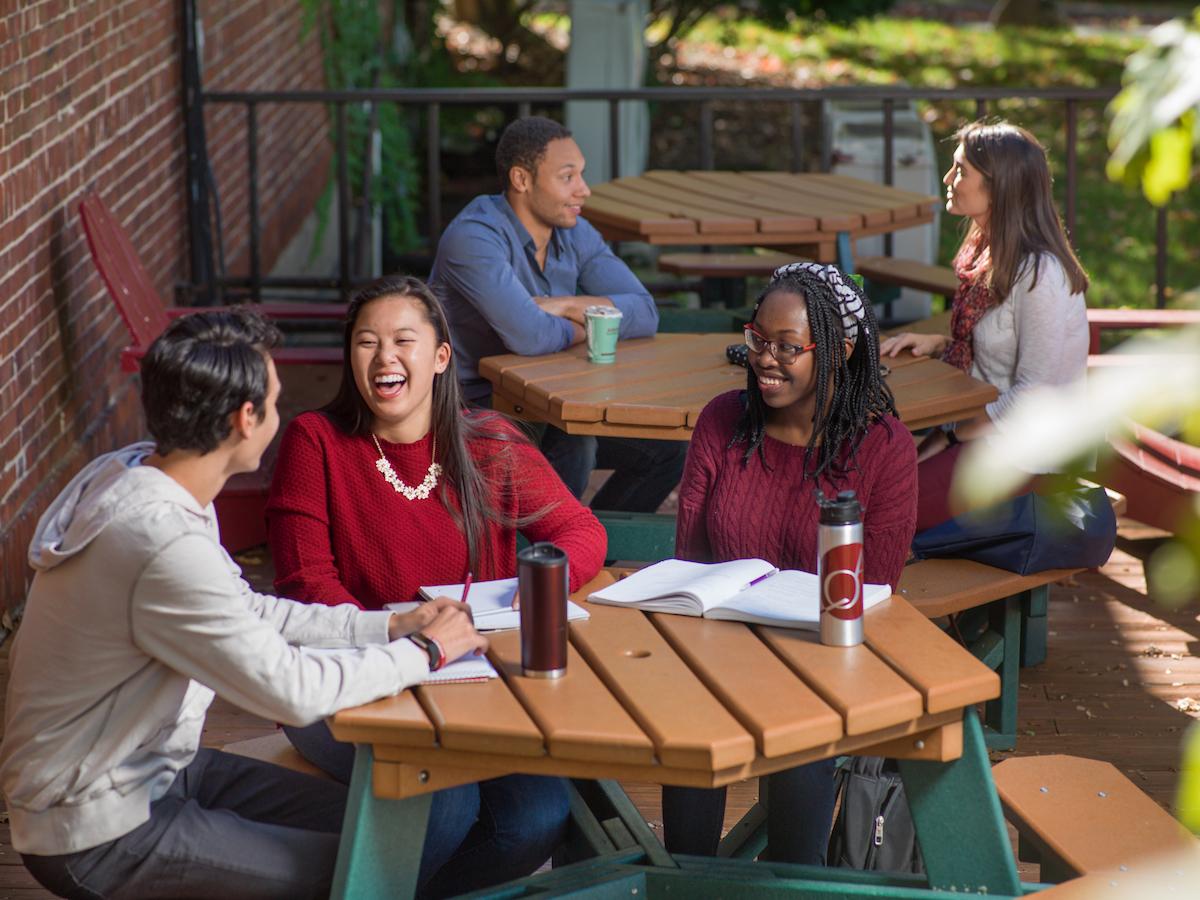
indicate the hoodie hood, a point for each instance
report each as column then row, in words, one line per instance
column 111, row 486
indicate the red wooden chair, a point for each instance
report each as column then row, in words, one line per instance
column 143, row 311
column 240, row 506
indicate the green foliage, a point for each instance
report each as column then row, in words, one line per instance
column 356, row 54
column 1155, row 128
column 675, row 18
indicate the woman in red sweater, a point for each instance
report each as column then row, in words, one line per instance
column 393, row 485
column 815, row 415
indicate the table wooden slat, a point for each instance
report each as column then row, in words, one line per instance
column 827, row 201
column 481, row 717
column 786, row 218
column 930, row 399
column 884, row 190
column 783, row 713
column 664, row 389
column 714, row 218
column 686, row 197
column 947, row 677
column 863, row 688
column 877, row 208
column 689, row 726
column 636, row 219
column 403, row 716
column 577, row 715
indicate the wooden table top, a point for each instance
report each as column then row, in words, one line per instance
column 768, row 209
column 658, row 386
column 679, row 700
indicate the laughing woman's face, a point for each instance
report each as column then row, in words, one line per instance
column 394, row 354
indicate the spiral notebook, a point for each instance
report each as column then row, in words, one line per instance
column 490, row 602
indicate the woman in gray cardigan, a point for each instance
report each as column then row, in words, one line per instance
column 1019, row 318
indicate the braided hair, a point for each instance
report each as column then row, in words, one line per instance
column 837, row 310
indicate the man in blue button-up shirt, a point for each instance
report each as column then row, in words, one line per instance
column 516, row 271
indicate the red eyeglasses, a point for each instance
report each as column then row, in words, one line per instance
column 785, row 354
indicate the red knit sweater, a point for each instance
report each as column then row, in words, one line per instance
column 339, row 533
column 733, row 510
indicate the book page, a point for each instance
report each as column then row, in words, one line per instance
column 465, row 668
column 490, row 602
column 679, row 586
column 790, row 599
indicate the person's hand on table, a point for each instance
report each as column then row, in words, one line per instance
column 453, row 629
column 919, row 344
column 403, row 624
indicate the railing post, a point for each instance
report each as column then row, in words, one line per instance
column 1160, row 257
column 1072, row 165
column 614, row 139
column 889, row 157
column 343, row 198
column 797, row 116
column 981, row 108
column 433, row 170
column 706, row 134
column 252, row 200
column 826, row 136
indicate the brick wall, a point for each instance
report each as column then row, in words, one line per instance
column 90, row 98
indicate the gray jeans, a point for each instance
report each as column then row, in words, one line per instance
column 227, row 827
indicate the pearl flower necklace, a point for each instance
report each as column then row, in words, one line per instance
column 422, row 490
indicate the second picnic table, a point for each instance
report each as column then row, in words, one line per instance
column 814, row 214
column 658, row 386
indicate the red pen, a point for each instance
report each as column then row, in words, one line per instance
column 466, row 588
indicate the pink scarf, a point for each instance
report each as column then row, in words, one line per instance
column 971, row 301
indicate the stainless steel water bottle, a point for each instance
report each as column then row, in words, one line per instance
column 840, row 569
column 542, row 583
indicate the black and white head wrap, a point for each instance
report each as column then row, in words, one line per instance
column 849, row 298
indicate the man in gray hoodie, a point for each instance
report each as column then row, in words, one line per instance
column 136, row 616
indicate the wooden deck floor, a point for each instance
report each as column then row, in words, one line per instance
column 1121, row 683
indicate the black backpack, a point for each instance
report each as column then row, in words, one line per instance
column 874, row 827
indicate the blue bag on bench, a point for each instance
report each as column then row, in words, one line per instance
column 1074, row 529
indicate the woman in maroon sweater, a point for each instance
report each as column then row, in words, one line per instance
column 394, row 485
column 815, row 414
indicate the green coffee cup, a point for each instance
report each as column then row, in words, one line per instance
column 603, row 326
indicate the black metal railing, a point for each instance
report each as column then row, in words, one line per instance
column 431, row 100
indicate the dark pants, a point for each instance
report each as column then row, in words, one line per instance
column 478, row 834
column 227, row 827
column 799, row 815
column 645, row 470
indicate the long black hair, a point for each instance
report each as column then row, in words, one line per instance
column 859, row 397
column 475, row 481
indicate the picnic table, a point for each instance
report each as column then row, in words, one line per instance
column 813, row 214
column 677, row 700
column 658, row 386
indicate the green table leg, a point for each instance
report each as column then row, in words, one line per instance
column 382, row 840
column 1000, row 714
column 845, row 256
column 959, row 824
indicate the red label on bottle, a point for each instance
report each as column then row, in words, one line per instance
column 841, row 588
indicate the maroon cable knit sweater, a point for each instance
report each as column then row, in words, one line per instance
column 340, row 533
column 733, row 510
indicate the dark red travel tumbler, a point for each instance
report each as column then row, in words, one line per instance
column 542, row 576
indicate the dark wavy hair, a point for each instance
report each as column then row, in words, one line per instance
column 1022, row 223
column 859, row 398
column 201, row 369
column 476, row 479
column 524, row 143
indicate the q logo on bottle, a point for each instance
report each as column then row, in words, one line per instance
column 841, row 591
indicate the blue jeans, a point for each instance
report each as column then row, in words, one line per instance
column 799, row 815
column 227, row 827
column 478, row 834
column 645, row 470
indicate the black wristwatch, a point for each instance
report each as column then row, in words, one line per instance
column 951, row 437
column 437, row 656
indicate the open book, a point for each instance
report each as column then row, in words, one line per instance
column 490, row 602
column 746, row 590
column 465, row 668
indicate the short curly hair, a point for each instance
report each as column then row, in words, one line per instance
column 524, row 143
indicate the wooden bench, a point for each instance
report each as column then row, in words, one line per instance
column 725, row 265
column 908, row 273
column 1077, row 816
column 1010, row 629
column 274, row 748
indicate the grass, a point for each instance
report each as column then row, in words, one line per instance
column 1115, row 230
